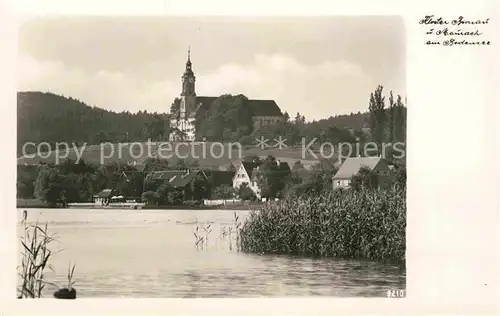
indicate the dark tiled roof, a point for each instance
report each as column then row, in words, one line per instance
column 283, row 170
column 182, row 181
column 249, row 167
column 264, row 108
column 206, row 101
column 258, row 107
column 165, row 175
column 219, row 177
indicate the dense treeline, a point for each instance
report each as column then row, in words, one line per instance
column 69, row 181
column 47, row 117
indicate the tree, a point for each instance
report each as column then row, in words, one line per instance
column 378, row 115
column 227, row 118
column 300, row 119
column 247, row 140
column 392, row 118
column 271, row 177
column 245, row 193
column 150, row 197
column 175, row 197
column 162, row 193
column 364, row 179
column 49, row 186
column 286, row 117
column 400, row 175
column 299, row 173
column 223, row 192
column 175, row 108
column 26, row 177
column 400, row 121
column 199, row 187
column 252, row 159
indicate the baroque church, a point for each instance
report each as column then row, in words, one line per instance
column 264, row 112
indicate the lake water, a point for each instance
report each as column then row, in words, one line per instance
column 152, row 254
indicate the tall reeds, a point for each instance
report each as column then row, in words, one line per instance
column 201, row 233
column 35, row 257
column 369, row 224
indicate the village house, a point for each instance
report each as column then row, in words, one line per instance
column 183, row 180
column 103, row 197
column 264, row 112
column 246, row 173
column 351, row 166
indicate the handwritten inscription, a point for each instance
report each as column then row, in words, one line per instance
column 457, row 32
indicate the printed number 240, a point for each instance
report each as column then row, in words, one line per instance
column 396, row 293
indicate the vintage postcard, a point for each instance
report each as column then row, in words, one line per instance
column 171, row 154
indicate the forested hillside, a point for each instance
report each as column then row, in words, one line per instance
column 47, row 117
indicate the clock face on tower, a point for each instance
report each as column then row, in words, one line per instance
column 191, row 80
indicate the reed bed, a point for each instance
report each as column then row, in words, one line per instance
column 368, row 224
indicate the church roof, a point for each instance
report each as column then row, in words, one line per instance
column 264, row 108
column 205, row 100
column 258, row 107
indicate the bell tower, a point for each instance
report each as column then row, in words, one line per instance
column 188, row 95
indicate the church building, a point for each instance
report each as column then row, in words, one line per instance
column 264, row 112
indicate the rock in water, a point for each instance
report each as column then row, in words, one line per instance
column 68, row 294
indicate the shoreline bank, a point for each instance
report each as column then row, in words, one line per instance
column 33, row 203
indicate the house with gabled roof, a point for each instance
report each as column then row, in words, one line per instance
column 352, row 165
column 185, row 183
column 183, row 180
column 247, row 173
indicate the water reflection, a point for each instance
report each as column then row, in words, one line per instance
column 125, row 253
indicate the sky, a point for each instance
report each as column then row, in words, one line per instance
column 318, row 66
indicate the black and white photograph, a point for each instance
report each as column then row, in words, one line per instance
column 211, row 157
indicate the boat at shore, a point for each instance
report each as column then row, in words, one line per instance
column 105, row 199
column 115, row 205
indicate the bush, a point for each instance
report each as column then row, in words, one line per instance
column 368, row 224
column 245, row 193
column 223, row 192
column 149, row 197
